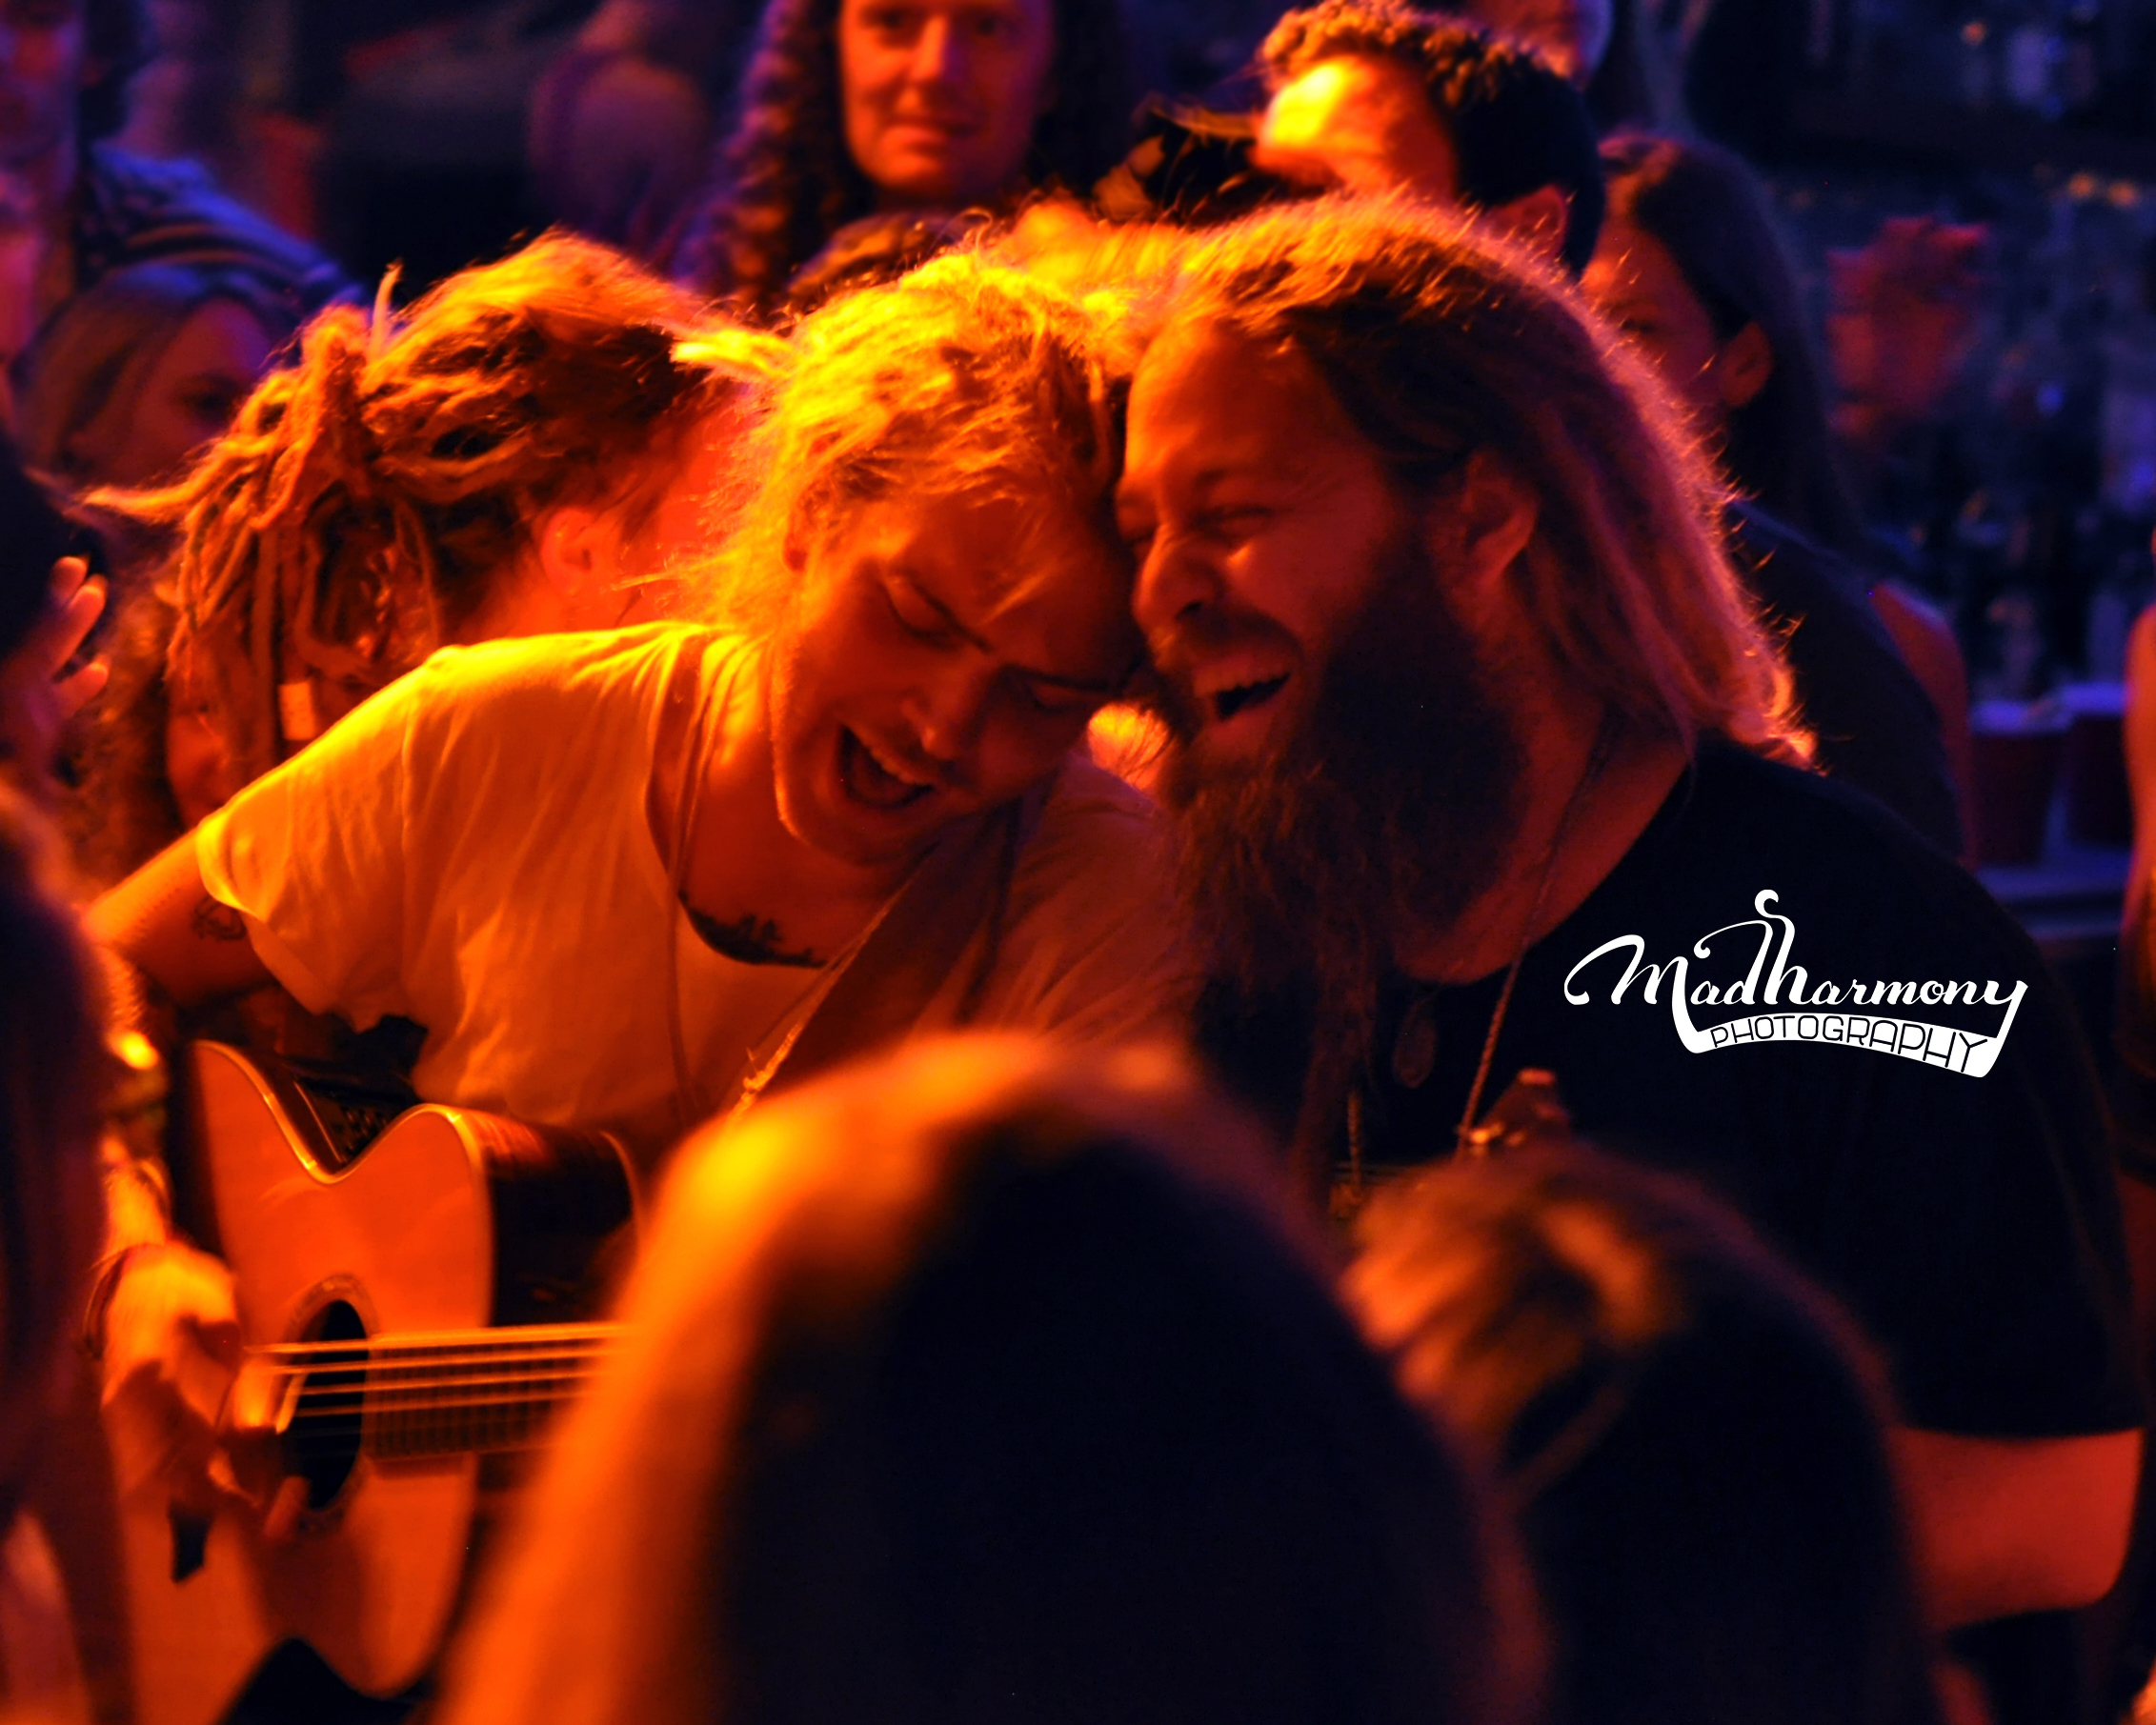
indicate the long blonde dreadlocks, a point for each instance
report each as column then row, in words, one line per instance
column 367, row 502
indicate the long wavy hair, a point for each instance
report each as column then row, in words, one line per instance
column 968, row 378
column 786, row 182
column 1436, row 342
column 370, row 499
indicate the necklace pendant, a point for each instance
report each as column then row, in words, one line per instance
column 1415, row 1048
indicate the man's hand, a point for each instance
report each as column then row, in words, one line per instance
column 35, row 701
column 171, row 1356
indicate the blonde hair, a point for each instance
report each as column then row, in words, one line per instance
column 367, row 500
column 966, row 378
column 1438, row 342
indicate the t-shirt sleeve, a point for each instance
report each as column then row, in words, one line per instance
column 1095, row 950
column 313, row 857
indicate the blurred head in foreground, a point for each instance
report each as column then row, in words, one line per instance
column 1691, row 1436
column 988, row 1383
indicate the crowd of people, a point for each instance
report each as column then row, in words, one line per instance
column 1229, row 821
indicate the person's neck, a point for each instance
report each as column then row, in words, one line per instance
column 1593, row 786
column 746, row 866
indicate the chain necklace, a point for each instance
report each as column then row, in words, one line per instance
column 1417, row 1055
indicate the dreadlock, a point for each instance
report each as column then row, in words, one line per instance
column 368, row 501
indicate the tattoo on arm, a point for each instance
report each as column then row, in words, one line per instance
column 214, row 921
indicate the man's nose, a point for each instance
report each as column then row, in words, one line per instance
column 938, row 53
column 1174, row 581
column 945, row 708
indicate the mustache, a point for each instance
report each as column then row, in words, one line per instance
column 1166, row 683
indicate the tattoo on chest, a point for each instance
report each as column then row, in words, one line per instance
column 749, row 940
column 214, row 921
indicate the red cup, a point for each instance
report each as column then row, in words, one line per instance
column 2019, row 745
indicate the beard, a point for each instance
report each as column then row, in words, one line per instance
column 1398, row 793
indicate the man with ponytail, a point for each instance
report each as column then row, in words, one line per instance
column 527, row 448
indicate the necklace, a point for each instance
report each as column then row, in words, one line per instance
column 692, row 1100
column 1415, row 1046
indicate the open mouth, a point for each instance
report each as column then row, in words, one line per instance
column 870, row 780
column 1242, row 697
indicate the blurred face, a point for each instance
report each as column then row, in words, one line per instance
column 1262, row 522
column 44, row 62
column 909, row 688
column 1572, row 35
column 1635, row 283
column 941, row 96
column 1360, row 124
column 205, row 370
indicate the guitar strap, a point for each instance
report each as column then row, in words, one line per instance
column 925, row 961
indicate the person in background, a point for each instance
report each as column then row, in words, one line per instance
column 1690, row 268
column 986, row 1382
column 136, row 373
column 1692, row 1439
column 621, row 121
column 856, row 109
column 64, row 71
column 1374, row 96
column 1475, row 728
column 529, row 449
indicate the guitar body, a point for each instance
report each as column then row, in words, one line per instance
column 335, row 1243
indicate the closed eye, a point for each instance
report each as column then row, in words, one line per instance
column 916, row 615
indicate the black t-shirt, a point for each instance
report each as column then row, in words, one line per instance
column 1968, row 1221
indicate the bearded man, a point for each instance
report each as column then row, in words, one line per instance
column 1473, row 779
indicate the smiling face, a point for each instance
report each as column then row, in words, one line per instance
column 1359, row 123
column 1261, row 521
column 941, row 96
column 914, row 684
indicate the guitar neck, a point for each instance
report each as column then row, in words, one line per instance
column 454, row 1393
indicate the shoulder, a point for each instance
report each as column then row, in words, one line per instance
column 1089, row 817
column 135, row 210
column 535, row 689
column 1743, row 808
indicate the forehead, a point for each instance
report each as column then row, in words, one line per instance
column 1206, row 401
column 1032, row 575
column 1367, row 122
column 912, row 13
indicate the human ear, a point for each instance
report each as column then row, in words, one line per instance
column 1480, row 525
column 1536, row 221
column 577, row 553
column 1743, row 365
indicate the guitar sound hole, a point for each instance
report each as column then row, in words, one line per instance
column 322, row 1441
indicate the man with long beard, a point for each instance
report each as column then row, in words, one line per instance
column 1473, row 770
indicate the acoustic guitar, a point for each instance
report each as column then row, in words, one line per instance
column 413, row 1287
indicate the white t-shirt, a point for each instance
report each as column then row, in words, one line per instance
column 470, row 850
